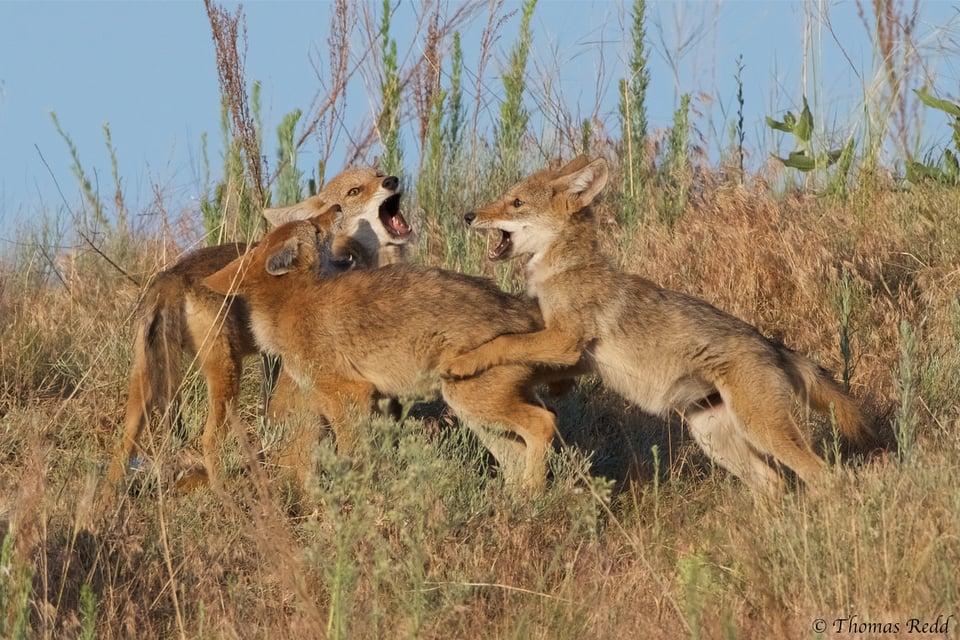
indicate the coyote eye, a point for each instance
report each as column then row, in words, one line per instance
column 517, row 203
column 354, row 191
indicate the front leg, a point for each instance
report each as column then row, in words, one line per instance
column 549, row 347
column 346, row 404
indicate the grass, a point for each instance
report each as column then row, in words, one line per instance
column 420, row 539
column 417, row 536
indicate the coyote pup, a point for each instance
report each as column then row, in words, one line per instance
column 215, row 331
column 388, row 331
column 663, row 350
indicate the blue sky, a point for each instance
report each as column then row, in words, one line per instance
column 148, row 69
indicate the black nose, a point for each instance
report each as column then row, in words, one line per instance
column 391, row 183
column 470, row 217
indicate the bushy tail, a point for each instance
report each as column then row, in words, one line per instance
column 158, row 348
column 155, row 375
column 825, row 395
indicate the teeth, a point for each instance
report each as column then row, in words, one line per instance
column 399, row 224
column 501, row 249
column 392, row 218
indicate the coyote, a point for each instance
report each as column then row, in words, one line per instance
column 216, row 332
column 663, row 350
column 389, row 331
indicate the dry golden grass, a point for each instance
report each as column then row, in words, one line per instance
column 419, row 539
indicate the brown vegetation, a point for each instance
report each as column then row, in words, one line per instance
column 416, row 535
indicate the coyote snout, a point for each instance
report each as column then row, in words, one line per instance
column 372, row 218
column 661, row 349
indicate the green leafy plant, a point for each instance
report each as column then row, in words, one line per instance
column 801, row 128
column 232, row 212
column 456, row 118
column 513, row 115
column 947, row 171
column 805, row 158
column 289, row 189
column 15, row 577
column 633, row 121
column 88, row 612
column 906, row 418
column 389, row 123
column 673, row 174
column 431, row 181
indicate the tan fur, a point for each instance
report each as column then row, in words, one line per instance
column 179, row 316
column 663, row 350
column 389, row 331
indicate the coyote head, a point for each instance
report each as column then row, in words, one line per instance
column 370, row 202
column 300, row 246
column 538, row 208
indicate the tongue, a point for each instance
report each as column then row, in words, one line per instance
column 399, row 224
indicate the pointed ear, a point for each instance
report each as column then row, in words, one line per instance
column 582, row 185
column 574, row 165
column 329, row 220
column 227, row 280
column 301, row 211
column 283, row 259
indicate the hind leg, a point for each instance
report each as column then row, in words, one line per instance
column 502, row 397
column 343, row 403
column 288, row 408
column 222, row 371
column 336, row 402
column 760, row 396
column 285, row 399
column 767, row 421
column 716, row 431
column 507, row 448
column 218, row 331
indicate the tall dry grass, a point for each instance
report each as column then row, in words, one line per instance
column 420, row 538
column 417, row 536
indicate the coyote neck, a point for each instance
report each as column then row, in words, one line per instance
column 267, row 303
column 575, row 249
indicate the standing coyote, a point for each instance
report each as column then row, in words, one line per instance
column 388, row 331
column 215, row 331
column 663, row 350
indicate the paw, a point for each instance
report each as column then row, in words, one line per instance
column 460, row 367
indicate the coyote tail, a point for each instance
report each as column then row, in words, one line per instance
column 826, row 396
column 158, row 348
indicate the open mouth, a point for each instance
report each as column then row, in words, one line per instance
column 393, row 221
column 502, row 250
